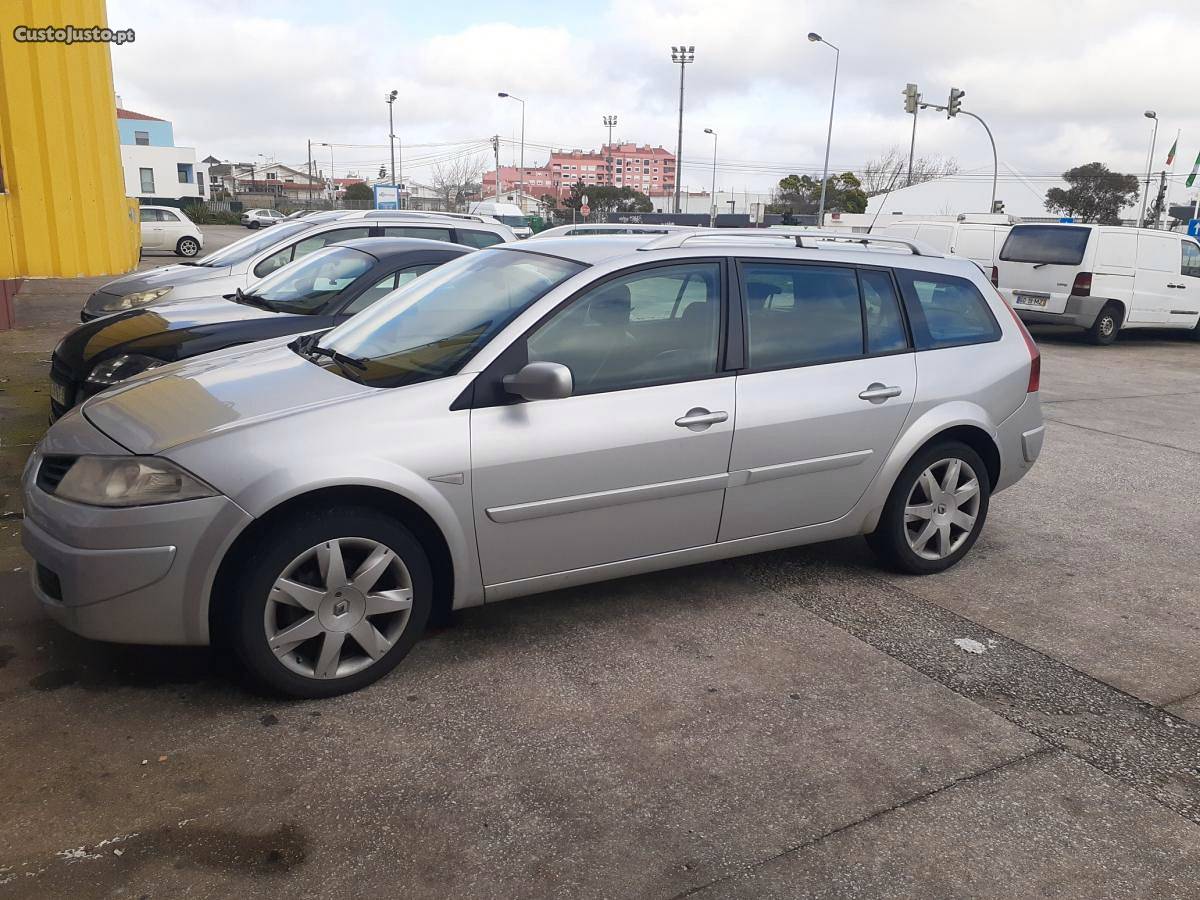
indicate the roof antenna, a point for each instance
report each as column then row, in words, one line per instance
column 883, row 203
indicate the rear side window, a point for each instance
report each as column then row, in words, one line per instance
column 800, row 315
column 470, row 238
column 881, row 307
column 411, row 231
column 945, row 310
column 1058, row 245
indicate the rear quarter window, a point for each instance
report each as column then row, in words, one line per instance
column 946, row 310
column 1059, row 245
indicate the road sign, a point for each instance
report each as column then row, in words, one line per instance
column 1066, row 220
column 583, row 201
column 1194, row 227
column 584, row 210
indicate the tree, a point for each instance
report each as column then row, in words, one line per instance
column 889, row 170
column 801, row 195
column 606, row 198
column 1094, row 194
column 359, row 194
column 456, row 179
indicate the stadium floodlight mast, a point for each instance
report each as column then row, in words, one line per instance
column 712, row 216
column 837, row 56
column 609, row 123
column 521, row 177
column 1149, row 114
column 683, row 55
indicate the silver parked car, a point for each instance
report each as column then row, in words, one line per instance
column 528, row 417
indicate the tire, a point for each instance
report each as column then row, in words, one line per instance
column 321, row 613
column 254, row 226
column 187, row 246
column 1104, row 330
column 897, row 542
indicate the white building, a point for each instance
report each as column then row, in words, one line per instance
column 155, row 169
column 692, row 201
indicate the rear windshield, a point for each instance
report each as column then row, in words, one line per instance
column 1058, row 245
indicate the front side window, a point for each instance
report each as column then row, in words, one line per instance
column 649, row 327
column 1191, row 259
column 429, row 328
column 385, row 286
column 147, row 176
column 282, row 257
column 470, row 238
column 800, row 315
column 945, row 310
column 310, row 285
column 251, row 245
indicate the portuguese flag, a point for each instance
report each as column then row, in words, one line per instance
column 1171, row 153
column 1195, row 168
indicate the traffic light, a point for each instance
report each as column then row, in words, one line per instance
column 911, row 98
column 955, row 103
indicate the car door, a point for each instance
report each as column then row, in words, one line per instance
column 634, row 463
column 829, row 380
column 152, row 229
column 1158, row 269
column 172, row 228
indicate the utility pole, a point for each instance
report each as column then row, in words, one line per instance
column 1149, row 114
column 496, row 150
column 1162, row 200
column 683, row 55
column 308, row 205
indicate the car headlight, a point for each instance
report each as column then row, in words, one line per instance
column 130, row 301
column 129, row 481
column 121, row 367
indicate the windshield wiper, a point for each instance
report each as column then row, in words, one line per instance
column 240, row 296
column 308, row 346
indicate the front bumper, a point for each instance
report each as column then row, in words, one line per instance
column 139, row 575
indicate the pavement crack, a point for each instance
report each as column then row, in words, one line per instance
column 1034, row 754
column 1126, row 437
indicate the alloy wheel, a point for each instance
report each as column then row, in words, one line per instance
column 942, row 509
column 188, row 247
column 338, row 608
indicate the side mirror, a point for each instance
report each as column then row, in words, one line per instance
column 541, row 381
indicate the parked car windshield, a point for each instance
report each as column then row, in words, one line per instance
column 1046, row 244
column 240, row 251
column 513, row 221
column 431, row 327
column 309, row 284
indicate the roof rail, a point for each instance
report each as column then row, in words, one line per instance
column 678, row 239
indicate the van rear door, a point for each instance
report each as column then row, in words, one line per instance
column 1038, row 264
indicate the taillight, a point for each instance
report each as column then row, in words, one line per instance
column 1082, row 287
column 1035, row 355
column 995, row 276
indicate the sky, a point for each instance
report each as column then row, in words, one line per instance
column 1059, row 84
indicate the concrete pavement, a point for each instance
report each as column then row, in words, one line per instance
column 793, row 724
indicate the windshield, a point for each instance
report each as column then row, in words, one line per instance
column 1045, row 244
column 435, row 324
column 240, row 251
column 307, row 285
column 513, row 221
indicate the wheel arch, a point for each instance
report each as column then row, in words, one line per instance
column 406, row 511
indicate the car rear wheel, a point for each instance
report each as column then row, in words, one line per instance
column 1108, row 323
column 187, row 246
column 254, row 225
column 330, row 602
column 935, row 511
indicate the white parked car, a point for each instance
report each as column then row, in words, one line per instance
column 978, row 241
column 584, row 229
column 261, row 218
column 1102, row 278
column 169, row 229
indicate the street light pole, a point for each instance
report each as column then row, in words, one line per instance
column 683, row 55
column 391, row 99
column 712, row 216
column 837, row 57
column 521, row 176
column 1149, row 114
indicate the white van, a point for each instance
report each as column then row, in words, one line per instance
column 1102, row 278
column 508, row 213
column 977, row 241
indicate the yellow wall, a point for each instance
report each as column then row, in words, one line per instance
column 64, row 211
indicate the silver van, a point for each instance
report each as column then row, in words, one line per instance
column 528, row 417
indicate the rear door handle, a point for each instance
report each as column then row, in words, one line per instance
column 698, row 418
column 877, row 392
column 1182, row 287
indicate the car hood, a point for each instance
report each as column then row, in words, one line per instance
column 158, row 329
column 193, row 399
column 165, row 276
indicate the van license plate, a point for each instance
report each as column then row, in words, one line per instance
column 1027, row 300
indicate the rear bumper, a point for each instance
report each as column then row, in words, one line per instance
column 1080, row 312
column 1020, row 437
column 138, row 575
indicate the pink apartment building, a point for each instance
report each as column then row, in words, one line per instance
column 650, row 170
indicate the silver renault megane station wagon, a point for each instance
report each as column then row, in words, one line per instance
column 528, row 417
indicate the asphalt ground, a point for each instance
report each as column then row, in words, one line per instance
column 793, row 724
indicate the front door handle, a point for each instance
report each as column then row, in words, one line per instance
column 877, row 392
column 698, row 418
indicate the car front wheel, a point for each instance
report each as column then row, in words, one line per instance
column 935, row 511
column 330, row 602
column 187, row 246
